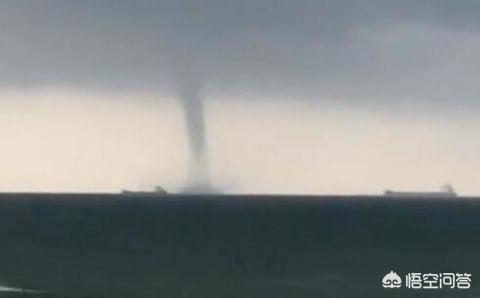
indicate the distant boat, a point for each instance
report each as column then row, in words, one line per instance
column 157, row 191
column 446, row 191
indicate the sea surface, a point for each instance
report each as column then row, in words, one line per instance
column 114, row 245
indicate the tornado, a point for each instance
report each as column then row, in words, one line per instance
column 190, row 96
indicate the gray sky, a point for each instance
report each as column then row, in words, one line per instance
column 406, row 72
column 386, row 50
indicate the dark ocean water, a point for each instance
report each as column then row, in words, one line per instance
column 104, row 245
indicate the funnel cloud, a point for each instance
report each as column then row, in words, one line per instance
column 189, row 94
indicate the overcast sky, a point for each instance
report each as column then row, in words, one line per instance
column 301, row 96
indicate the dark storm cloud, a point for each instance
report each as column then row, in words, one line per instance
column 384, row 50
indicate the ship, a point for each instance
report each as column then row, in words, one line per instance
column 446, row 191
column 158, row 190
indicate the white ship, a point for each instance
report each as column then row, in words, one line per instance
column 446, row 191
column 158, row 190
